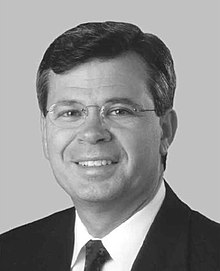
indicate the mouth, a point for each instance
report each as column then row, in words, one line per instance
column 97, row 167
column 96, row 163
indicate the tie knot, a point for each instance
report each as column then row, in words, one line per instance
column 96, row 255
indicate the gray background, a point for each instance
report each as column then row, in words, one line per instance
column 189, row 28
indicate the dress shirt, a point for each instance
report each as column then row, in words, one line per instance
column 124, row 242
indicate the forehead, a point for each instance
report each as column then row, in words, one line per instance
column 98, row 80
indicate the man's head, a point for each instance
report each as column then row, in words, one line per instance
column 94, row 63
column 106, row 41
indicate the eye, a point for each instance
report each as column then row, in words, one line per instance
column 121, row 111
column 68, row 114
column 71, row 113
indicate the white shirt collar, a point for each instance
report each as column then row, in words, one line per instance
column 118, row 242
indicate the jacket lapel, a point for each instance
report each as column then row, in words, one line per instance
column 165, row 247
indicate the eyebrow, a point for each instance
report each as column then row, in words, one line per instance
column 111, row 100
column 120, row 100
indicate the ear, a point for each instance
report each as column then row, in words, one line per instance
column 44, row 135
column 168, row 124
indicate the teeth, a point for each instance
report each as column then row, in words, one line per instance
column 97, row 163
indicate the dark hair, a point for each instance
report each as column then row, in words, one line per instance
column 107, row 40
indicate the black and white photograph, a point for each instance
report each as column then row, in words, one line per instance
column 110, row 136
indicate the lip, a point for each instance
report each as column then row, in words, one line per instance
column 100, row 173
column 96, row 158
column 96, row 173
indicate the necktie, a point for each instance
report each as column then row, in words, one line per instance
column 96, row 255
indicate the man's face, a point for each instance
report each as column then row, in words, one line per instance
column 129, row 153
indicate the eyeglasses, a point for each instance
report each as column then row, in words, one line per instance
column 71, row 114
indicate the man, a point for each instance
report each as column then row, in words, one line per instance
column 106, row 93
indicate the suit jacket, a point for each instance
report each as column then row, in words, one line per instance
column 179, row 239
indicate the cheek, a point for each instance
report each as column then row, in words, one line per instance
column 143, row 144
column 57, row 141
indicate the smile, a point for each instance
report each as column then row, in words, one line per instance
column 97, row 163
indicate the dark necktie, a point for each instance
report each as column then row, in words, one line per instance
column 96, row 255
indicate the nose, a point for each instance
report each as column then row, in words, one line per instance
column 93, row 131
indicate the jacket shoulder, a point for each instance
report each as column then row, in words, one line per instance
column 25, row 242
column 204, row 242
column 39, row 226
column 204, row 228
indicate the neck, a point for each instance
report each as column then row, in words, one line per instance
column 101, row 218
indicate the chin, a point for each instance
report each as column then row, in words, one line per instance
column 96, row 195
